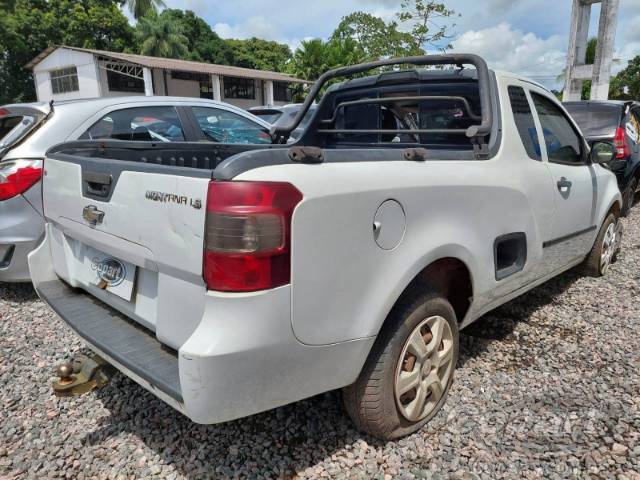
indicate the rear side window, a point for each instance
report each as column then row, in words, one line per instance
column 524, row 121
column 595, row 119
column 563, row 143
column 222, row 126
column 8, row 124
column 143, row 124
column 16, row 128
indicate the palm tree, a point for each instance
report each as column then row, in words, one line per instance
column 309, row 59
column 140, row 8
column 160, row 36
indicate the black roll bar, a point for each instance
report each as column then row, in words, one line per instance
column 281, row 133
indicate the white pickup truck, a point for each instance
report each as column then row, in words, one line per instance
column 232, row 279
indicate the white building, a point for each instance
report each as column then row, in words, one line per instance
column 63, row 73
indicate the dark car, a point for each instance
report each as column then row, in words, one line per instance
column 284, row 115
column 618, row 122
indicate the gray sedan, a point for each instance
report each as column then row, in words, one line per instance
column 27, row 131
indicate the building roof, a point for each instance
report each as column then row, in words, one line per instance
column 174, row 64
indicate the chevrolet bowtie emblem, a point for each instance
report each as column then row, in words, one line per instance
column 92, row 215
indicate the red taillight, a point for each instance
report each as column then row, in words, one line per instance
column 248, row 235
column 18, row 176
column 623, row 150
column 4, row 112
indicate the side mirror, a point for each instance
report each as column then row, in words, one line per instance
column 602, row 152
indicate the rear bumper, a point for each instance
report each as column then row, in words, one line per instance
column 21, row 228
column 241, row 359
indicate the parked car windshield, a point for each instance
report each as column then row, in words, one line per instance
column 596, row 119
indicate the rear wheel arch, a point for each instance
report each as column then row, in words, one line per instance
column 449, row 277
column 615, row 209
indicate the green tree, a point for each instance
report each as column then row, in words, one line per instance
column 161, row 37
column 425, row 20
column 314, row 57
column 310, row 59
column 626, row 84
column 260, row 54
column 33, row 25
column 376, row 38
column 203, row 44
column 140, row 8
column 345, row 52
column 7, row 4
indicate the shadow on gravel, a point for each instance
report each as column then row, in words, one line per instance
column 499, row 324
column 274, row 444
column 285, row 440
column 17, row 292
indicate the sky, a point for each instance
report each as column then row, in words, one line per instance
column 527, row 37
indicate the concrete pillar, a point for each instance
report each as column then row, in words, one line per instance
column 148, row 81
column 576, row 54
column 268, row 93
column 604, row 52
column 216, row 87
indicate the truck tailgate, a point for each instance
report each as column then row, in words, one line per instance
column 131, row 235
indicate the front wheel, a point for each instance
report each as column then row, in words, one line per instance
column 406, row 379
column 605, row 249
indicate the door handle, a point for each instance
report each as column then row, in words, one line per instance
column 564, row 184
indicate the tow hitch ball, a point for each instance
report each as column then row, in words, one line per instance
column 81, row 375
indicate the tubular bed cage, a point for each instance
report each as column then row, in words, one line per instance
column 475, row 133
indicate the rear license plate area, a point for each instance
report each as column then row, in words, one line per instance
column 109, row 273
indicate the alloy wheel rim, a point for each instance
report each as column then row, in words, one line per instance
column 424, row 368
column 609, row 243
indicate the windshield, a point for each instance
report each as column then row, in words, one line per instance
column 596, row 120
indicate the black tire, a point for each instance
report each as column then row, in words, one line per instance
column 629, row 197
column 371, row 400
column 592, row 265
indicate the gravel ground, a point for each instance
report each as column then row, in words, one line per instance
column 546, row 387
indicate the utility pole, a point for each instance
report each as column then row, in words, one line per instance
column 600, row 72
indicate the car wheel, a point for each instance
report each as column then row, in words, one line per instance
column 605, row 249
column 629, row 196
column 409, row 371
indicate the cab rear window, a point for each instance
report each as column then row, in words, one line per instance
column 446, row 110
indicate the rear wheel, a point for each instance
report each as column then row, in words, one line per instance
column 409, row 372
column 605, row 249
column 629, row 196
